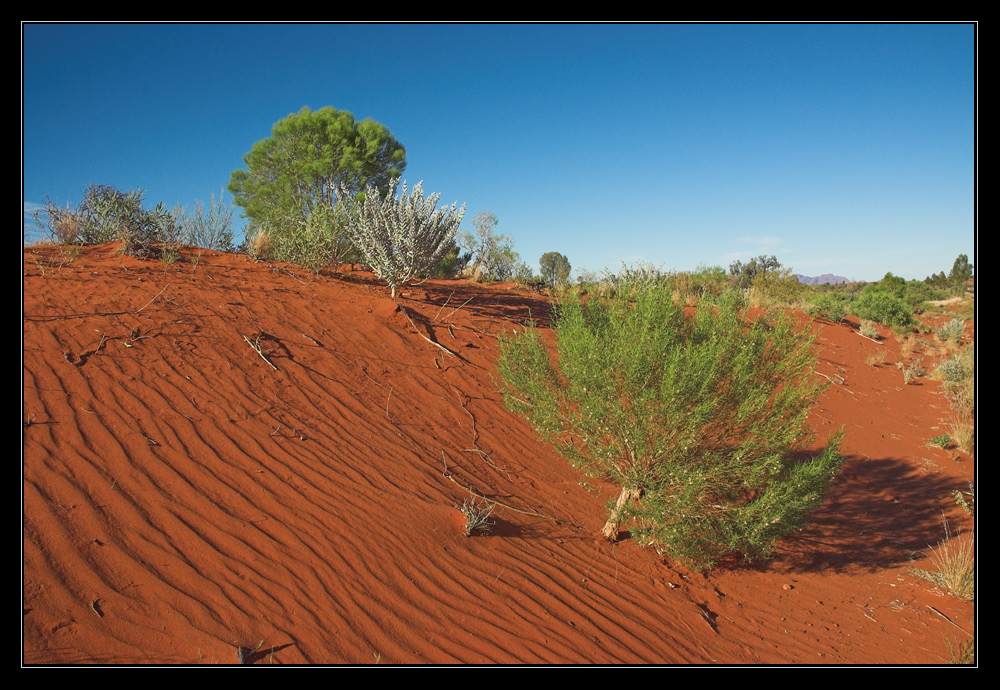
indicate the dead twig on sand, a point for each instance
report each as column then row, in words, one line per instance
column 443, row 306
column 438, row 345
column 256, row 347
column 459, row 307
column 948, row 619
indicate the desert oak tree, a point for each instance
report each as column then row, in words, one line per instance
column 309, row 156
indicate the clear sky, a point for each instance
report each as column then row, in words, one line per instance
column 840, row 148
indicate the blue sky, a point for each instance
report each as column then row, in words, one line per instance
column 843, row 148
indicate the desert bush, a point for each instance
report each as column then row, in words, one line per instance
column 776, row 287
column 523, row 275
column 952, row 371
column 492, row 255
column 831, row 305
column 401, row 238
column 952, row 330
column 60, row 225
column 917, row 292
column 695, row 419
column 868, row 329
column 210, row 228
column 108, row 215
column 708, row 281
column 321, row 240
column 640, row 277
column 912, row 372
column 450, row 264
column 881, row 306
column 742, row 274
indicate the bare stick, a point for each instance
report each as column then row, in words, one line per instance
column 256, row 348
column 460, row 306
column 371, row 379
column 947, row 619
column 867, row 338
column 438, row 345
column 152, row 300
column 444, row 305
column 387, row 401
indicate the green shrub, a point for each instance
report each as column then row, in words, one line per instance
column 918, row 292
column 881, row 306
column 952, row 330
column 695, row 419
column 831, row 305
column 953, row 370
column 108, row 215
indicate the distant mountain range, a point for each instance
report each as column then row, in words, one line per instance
column 822, row 280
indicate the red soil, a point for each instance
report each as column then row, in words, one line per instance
column 183, row 498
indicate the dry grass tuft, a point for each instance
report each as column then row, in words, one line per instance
column 954, row 561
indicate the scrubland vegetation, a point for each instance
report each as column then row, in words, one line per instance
column 697, row 418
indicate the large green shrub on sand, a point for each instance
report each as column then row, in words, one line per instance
column 695, row 418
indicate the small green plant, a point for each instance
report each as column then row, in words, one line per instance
column 169, row 254
column 477, row 516
column 868, row 329
column 942, row 441
column 952, row 330
column 967, row 499
column 912, row 372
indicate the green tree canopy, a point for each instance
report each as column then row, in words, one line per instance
column 555, row 268
column 744, row 273
column 961, row 271
column 306, row 160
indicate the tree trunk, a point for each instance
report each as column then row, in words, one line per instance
column 610, row 530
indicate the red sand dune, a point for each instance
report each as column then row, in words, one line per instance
column 185, row 496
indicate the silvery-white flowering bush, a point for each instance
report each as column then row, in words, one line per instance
column 402, row 237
